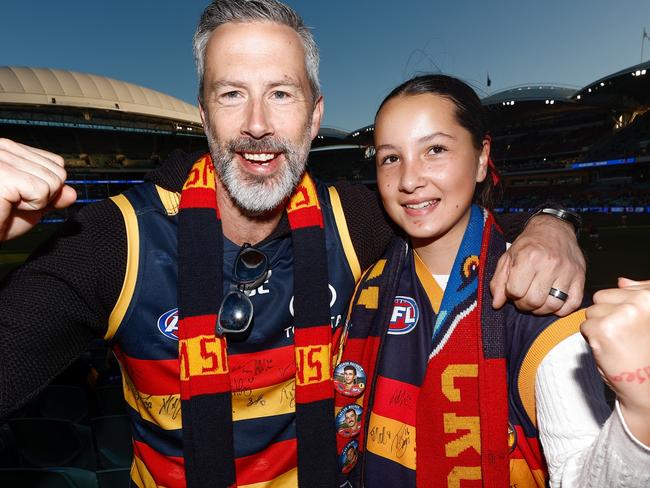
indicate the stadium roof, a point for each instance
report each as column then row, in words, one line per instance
column 329, row 136
column 530, row 93
column 45, row 86
column 534, row 104
column 506, row 106
column 627, row 88
column 333, row 132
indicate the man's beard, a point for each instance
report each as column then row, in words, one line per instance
column 253, row 194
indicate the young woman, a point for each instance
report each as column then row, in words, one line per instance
column 457, row 394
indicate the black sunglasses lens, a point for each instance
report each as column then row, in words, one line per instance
column 250, row 266
column 236, row 313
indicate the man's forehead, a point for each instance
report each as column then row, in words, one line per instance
column 264, row 52
column 238, row 37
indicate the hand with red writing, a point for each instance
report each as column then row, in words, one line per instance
column 618, row 330
column 32, row 181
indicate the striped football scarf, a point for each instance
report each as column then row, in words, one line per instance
column 469, row 343
column 206, row 401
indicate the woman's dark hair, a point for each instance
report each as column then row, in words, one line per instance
column 469, row 114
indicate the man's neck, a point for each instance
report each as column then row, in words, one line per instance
column 239, row 227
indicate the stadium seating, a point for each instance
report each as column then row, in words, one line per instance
column 114, row 478
column 110, row 400
column 8, row 453
column 53, row 443
column 631, row 140
column 63, row 402
column 49, row 478
column 52, row 450
column 112, row 436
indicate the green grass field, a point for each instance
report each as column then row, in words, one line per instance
column 625, row 252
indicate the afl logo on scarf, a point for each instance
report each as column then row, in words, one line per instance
column 168, row 324
column 404, row 317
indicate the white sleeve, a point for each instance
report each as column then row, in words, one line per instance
column 585, row 444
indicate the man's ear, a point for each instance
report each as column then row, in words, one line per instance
column 202, row 114
column 317, row 117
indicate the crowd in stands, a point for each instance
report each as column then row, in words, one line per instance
column 551, row 148
column 623, row 194
column 104, row 149
column 547, row 149
column 632, row 140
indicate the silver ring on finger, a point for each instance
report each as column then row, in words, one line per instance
column 560, row 295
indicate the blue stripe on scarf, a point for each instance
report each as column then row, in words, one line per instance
column 461, row 287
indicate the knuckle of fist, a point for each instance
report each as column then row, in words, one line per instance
column 41, row 190
column 4, row 154
column 513, row 291
column 643, row 298
column 569, row 306
column 535, row 252
column 53, row 181
column 609, row 333
column 541, row 311
column 55, row 176
column 600, row 334
column 6, row 143
column 599, row 296
column 523, row 305
column 628, row 311
column 536, row 300
column 546, row 260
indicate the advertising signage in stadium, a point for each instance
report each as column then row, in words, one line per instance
column 616, row 209
column 609, row 162
column 584, row 210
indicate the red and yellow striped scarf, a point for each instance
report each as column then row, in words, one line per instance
column 204, row 374
column 461, row 412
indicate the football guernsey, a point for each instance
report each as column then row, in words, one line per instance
column 143, row 331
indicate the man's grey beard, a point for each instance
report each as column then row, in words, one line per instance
column 256, row 195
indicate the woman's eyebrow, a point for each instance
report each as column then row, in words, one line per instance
column 421, row 140
column 429, row 137
column 384, row 146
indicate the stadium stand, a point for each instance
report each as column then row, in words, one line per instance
column 74, row 434
column 112, row 435
column 51, row 478
column 91, row 118
column 110, row 400
column 63, row 402
column 113, row 478
column 632, row 140
column 48, row 442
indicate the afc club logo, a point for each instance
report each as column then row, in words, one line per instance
column 168, row 324
column 404, row 317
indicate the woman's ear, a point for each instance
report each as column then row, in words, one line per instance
column 483, row 161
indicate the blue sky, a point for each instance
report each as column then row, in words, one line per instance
column 367, row 46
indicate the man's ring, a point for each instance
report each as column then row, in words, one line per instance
column 560, row 295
